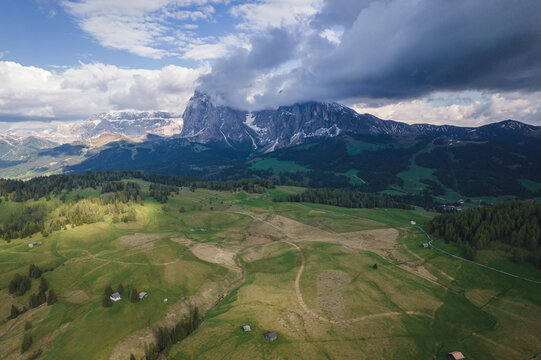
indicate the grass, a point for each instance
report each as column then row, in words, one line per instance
column 433, row 303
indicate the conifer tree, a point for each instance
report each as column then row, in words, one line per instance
column 27, row 342
column 14, row 312
column 43, row 285
column 52, row 298
column 134, row 296
column 106, row 302
column 108, row 291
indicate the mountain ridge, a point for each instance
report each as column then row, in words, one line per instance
column 267, row 130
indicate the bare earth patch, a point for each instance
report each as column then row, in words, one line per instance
column 144, row 241
column 211, row 253
column 329, row 295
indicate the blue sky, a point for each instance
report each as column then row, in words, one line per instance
column 465, row 62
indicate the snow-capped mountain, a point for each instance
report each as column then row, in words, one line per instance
column 130, row 124
column 268, row 130
column 13, row 148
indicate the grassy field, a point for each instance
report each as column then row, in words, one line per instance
column 333, row 283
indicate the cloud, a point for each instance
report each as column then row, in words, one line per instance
column 275, row 13
column 29, row 92
column 457, row 110
column 3, row 53
column 144, row 28
column 389, row 49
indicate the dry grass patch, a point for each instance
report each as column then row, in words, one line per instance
column 76, row 297
column 329, row 295
column 143, row 241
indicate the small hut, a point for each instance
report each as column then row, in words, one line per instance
column 142, row 295
column 115, row 296
column 271, row 336
column 246, row 328
column 455, row 355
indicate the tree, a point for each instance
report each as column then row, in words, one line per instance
column 181, row 210
column 134, row 296
column 43, row 285
column 52, row 298
column 27, row 325
column 34, row 271
column 375, row 266
column 108, row 291
column 106, row 302
column 27, row 342
column 120, row 289
column 132, row 357
column 14, row 312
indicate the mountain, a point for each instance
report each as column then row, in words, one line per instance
column 268, row 130
column 130, row 124
column 14, row 148
column 313, row 143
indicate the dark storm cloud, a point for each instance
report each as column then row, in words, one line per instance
column 391, row 49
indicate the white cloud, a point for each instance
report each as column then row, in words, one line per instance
column 275, row 13
column 78, row 92
column 488, row 108
column 214, row 50
column 3, row 53
column 139, row 26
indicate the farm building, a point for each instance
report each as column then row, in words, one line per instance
column 142, row 295
column 413, row 222
column 203, row 230
column 246, row 328
column 271, row 336
column 425, row 245
column 115, row 296
column 32, row 244
column 455, row 355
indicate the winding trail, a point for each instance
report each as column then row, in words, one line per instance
column 473, row 262
column 338, row 322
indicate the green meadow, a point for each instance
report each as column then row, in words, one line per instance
column 333, row 283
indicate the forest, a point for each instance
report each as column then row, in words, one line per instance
column 515, row 224
column 38, row 187
column 343, row 198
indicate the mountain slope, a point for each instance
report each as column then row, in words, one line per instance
column 268, row 130
column 130, row 124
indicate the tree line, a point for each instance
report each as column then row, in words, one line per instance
column 43, row 186
column 344, row 198
column 513, row 223
column 166, row 337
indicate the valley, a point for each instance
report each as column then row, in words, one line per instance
column 331, row 282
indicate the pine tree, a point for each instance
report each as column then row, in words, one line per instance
column 120, row 289
column 108, row 291
column 27, row 342
column 134, row 296
column 43, row 285
column 132, row 357
column 14, row 312
column 106, row 302
column 27, row 325
column 52, row 298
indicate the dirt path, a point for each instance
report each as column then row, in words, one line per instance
column 338, row 322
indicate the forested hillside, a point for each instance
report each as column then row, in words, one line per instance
column 52, row 210
column 348, row 199
column 514, row 224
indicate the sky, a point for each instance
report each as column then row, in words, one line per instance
column 461, row 62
